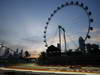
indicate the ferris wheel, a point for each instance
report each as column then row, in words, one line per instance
column 59, row 8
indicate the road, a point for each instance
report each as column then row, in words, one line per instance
column 8, row 71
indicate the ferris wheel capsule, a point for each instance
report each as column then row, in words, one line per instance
column 49, row 19
column 77, row 3
column 44, row 31
column 46, row 26
column 54, row 11
column 47, row 23
column 58, row 8
column 81, row 4
column 66, row 3
column 62, row 5
column 91, row 28
column 89, row 13
column 86, row 8
column 91, row 20
column 88, row 36
column 71, row 2
column 44, row 36
column 51, row 15
column 46, row 45
column 44, row 41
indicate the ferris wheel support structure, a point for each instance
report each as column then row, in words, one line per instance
column 64, row 35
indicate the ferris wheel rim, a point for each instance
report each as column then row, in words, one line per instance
column 71, row 3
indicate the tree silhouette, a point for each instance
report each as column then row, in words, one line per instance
column 69, row 52
column 42, row 55
column 21, row 53
column 88, row 48
column 93, row 49
column 42, row 58
column 96, row 49
column 27, row 54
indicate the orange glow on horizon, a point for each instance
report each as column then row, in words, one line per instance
column 34, row 56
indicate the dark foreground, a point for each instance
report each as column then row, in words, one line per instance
column 2, row 72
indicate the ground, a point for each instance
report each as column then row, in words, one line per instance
column 79, row 69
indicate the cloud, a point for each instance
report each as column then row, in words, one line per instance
column 95, row 35
column 96, row 39
column 55, row 39
column 33, row 43
column 4, row 32
column 13, row 45
column 96, row 30
column 32, row 39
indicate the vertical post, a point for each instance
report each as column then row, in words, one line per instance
column 1, row 47
column 59, row 37
column 65, row 40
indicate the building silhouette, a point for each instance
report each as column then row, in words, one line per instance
column 82, row 44
column 53, row 51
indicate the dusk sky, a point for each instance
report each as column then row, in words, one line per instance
column 22, row 22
